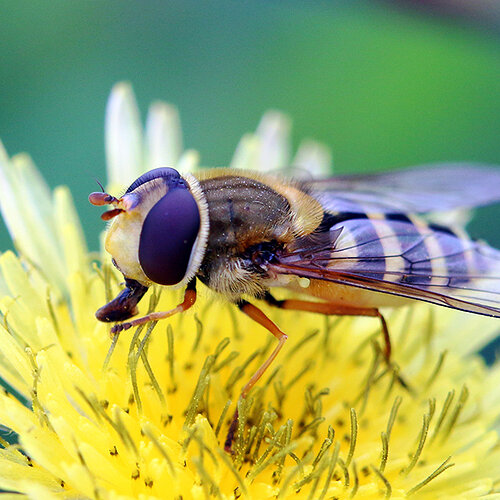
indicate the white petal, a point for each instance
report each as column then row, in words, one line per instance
column 274, row 134
column 3, row 153
column 246, row 155
column 313, row 159
column 189, row 161
column 163, row 136
column 10, row 207
column 459, row 217
column 124, row 141
column 27, row 209
column 35, row 202
column 69, row 230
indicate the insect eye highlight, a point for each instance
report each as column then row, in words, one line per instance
column 168, row 235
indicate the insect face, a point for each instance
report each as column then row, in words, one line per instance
column 158, row 234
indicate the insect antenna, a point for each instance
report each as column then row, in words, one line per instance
column 99, row 184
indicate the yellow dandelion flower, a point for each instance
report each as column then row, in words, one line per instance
column 145, row 415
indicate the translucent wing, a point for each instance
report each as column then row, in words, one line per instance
column 400, row 257
column 422, row 189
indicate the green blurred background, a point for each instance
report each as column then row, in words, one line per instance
column 383, row 84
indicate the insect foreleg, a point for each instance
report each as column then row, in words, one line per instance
column 189, row 300
column 257, row 315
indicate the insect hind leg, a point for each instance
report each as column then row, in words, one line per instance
column 329, row 308
column 387, row 339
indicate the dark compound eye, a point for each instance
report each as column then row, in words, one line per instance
column 171, row 177
column 168, row 235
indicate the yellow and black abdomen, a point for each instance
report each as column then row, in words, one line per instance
column 397, row 251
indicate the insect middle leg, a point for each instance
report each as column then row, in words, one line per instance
column 257, row 315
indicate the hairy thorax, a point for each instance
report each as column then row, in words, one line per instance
column 243, row 212
column 247, row 210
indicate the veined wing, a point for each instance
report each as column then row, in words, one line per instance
column 400, row 257
column 428, row 188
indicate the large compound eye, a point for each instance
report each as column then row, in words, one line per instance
column 168, row 236
column 171, row 177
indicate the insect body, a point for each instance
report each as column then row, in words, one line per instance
column 357, row 243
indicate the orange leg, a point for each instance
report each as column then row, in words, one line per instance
column 189, row 300
column 334, row 310
column 257, row 315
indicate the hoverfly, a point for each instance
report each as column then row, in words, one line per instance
column 357, row 243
